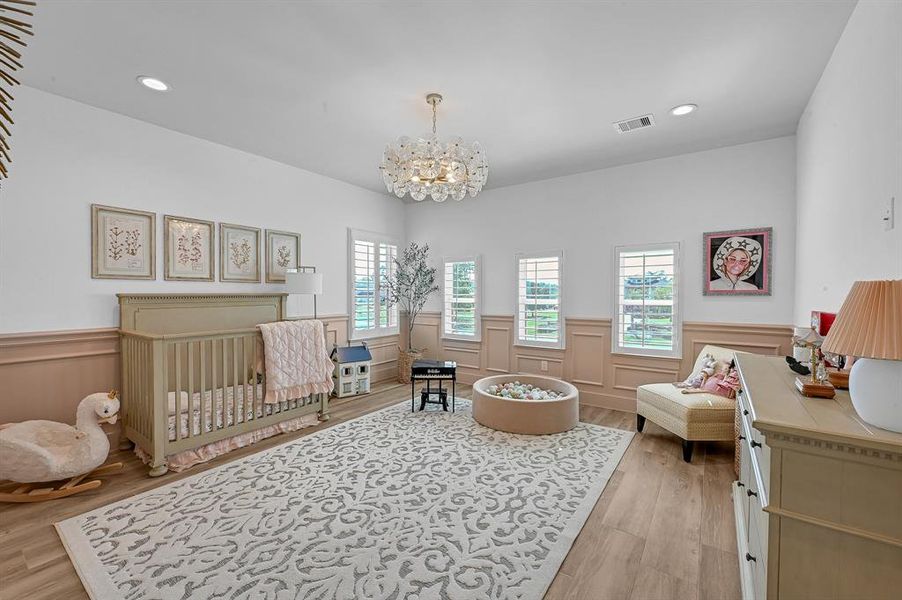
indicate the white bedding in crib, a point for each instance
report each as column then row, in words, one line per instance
column 214, row 412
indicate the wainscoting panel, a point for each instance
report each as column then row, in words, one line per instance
column 533, row 364
column 497, row 336
column 46, row 374
column 604, row 379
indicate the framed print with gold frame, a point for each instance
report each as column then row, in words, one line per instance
column 123, row 243
column 188, row 249
column 239, row 253
column 283, row 252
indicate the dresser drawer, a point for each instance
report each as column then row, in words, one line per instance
column 757, row 557
column 745, row 477
column 758, row 454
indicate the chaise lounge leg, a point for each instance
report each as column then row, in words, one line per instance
column 640, row 422
column 687, row 450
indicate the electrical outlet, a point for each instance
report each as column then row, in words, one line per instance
column 544, row 365
column 889, row 215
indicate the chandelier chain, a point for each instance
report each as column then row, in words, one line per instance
column 433, row 117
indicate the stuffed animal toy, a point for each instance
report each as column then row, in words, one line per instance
column 40, row 451
column 696, row 380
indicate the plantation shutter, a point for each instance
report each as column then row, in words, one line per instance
column 647, row 319
column 364, row 285
column 388, row 316
column 461, row 310
column 372, row 261
column 539, row 300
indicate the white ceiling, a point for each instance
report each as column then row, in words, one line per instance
column 324, row 85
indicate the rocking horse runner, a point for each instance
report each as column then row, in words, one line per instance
column 34, row 452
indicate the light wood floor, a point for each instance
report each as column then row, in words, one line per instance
column 661, row 529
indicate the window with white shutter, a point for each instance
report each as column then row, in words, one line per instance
column 372, row 259
column 460, row 316
column 646, row 283
column 539, row 318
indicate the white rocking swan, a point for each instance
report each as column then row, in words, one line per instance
column 32, row 452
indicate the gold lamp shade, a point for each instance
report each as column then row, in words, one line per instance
column 869, row 324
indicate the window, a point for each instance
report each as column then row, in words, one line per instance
column 460, row 317
column 372, row 259
column 539, row 321
column 647, row 291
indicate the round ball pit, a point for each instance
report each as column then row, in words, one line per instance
column 534, row 417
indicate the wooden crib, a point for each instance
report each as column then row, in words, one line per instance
column 192, row 371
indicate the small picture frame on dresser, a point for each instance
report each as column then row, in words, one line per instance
column 123, row 243
column 283, row 252
column 239, row 253
column 188, row 249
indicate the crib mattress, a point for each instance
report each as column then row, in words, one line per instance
column 220, row 409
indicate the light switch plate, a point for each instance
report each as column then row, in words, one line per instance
column 889, row 215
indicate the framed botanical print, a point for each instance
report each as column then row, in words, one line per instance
column 188, row 249
column 737, row 263
column 239, row 253
column 283, row 252
column 123, row 243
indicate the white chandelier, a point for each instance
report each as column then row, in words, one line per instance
column 429, row 167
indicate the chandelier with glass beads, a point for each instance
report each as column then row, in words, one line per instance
column 430, row 167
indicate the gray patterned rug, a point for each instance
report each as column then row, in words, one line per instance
column 391, row 505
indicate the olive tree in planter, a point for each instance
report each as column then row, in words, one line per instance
column 409, row 285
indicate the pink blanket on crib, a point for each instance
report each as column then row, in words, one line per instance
column 296, row 360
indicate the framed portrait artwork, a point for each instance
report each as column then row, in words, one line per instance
column 283, row 252
column 239, row 253
column 123, row 243
column 737, row 263
column 188, row 249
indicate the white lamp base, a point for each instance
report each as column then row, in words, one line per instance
column 876, row 390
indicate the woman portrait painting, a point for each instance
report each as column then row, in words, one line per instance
column 737, row 262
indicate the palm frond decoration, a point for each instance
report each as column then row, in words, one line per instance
column 13, row 29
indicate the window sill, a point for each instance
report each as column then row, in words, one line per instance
column 474, row 340
column 521, row 344
column 370, row 335
column 677, row 357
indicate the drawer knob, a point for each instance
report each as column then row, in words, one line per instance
column 751, row 493
column 745, row 411
column 750, row 557
column 740, row 484
column 756, row 444
column 741, row 437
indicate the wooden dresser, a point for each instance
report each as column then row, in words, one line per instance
column 819, row 497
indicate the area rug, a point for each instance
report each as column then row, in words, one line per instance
column 391, row 505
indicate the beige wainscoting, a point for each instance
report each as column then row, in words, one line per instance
column 604, row 379
column 46, row 374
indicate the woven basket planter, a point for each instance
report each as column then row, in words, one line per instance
column 406, row 359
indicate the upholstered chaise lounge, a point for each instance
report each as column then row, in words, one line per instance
column 693, row 417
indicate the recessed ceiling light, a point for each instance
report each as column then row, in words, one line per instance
column 153, row 83
column 683, row 109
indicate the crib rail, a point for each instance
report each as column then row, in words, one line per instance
column 136, row 412
column 205, row 386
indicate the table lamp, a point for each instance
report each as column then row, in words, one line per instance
column 869, row 327
column 305, row 280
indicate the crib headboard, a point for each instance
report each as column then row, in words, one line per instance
column 198, row 313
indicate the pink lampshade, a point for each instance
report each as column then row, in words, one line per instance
column 869, row 324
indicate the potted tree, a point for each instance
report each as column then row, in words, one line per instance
column 409, row 285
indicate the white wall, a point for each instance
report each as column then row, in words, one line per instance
column 69, row 155
column 850, row 163
column 586, row 215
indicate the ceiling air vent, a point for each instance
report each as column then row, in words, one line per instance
column 635, row 123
